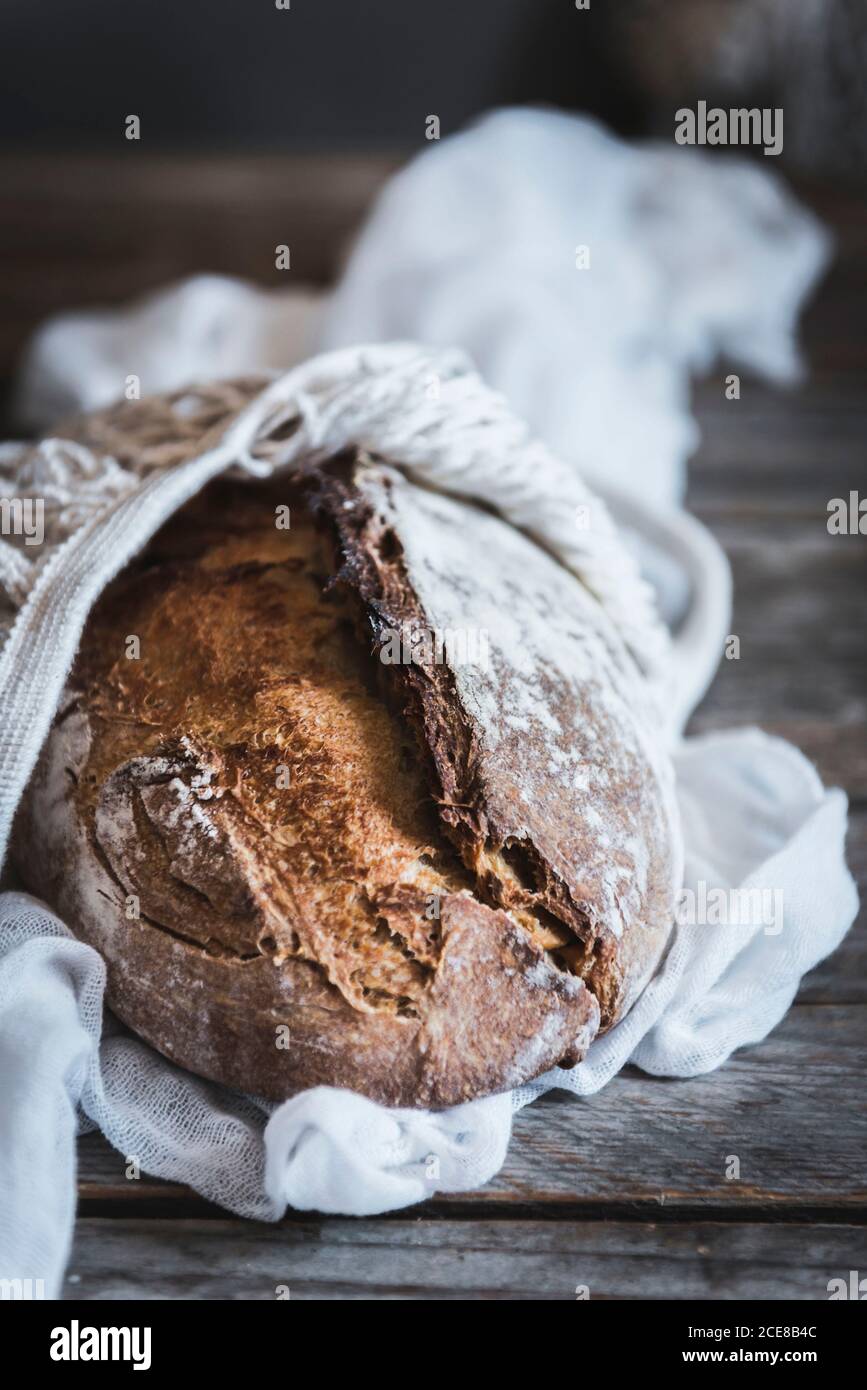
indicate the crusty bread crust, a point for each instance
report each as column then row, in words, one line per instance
column 425, row 881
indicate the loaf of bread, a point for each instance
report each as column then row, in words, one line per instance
column 353, row 784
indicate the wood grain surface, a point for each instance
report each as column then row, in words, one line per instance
column 129, row 1258
column 626, row 1191
column 96, row 230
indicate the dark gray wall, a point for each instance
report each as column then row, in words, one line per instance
column 241, row 74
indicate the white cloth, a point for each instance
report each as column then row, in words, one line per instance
column 754, row 811
column 479, row 243
column 473, row 245
column 210, row 326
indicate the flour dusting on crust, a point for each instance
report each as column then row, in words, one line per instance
column 568, row 757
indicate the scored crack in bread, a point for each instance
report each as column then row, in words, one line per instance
column 305, row 862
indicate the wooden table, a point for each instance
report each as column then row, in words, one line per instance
column 625, row 1192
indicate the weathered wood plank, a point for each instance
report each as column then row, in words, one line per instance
column 799, row 615
column 790, row 1109
column 786, row 455
column 478, row 1260
column 81, row 229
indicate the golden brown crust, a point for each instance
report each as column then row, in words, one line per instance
column 240, row 817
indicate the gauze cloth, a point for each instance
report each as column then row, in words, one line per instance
column 755, row 813
column 587, row 278
column 579, row 271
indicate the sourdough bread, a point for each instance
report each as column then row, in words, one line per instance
column 373, row 800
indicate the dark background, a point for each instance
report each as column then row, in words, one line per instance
column 262, row 126
column 240, row 74
column 226, row 75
